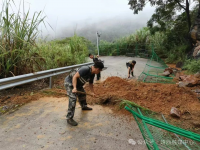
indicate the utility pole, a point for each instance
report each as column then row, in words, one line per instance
column 98, row 35
column 23, row 11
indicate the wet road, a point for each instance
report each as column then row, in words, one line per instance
column 117, row 66
column 42, row 125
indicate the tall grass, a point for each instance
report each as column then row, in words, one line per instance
column 17, row 36
column 19, row 52
column 124, row 44
column 61, row 53
column 141, row 36
column 159, row 40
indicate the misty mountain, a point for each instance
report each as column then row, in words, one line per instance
column 110, row 29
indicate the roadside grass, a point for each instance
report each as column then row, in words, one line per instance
column 20, row 53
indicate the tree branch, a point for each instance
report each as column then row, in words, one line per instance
column 180, row 4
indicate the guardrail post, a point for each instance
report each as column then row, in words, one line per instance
column 50, row 82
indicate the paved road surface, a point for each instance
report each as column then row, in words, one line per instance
column 117, row 66
column 42, row 125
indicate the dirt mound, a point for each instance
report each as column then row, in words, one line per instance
column 154, row 96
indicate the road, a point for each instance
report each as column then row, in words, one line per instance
column 117, row 66
column 42, row 124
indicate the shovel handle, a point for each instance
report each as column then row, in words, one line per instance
column 84, row 93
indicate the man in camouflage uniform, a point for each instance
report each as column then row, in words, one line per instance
column 130, row 65
column 74, row 82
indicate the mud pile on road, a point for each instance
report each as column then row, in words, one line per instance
column 154, row 96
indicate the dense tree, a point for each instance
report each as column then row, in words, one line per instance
column 167, row 20
column 163, row 18
column 167, row 7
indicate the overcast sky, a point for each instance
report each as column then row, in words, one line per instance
column 78, row 13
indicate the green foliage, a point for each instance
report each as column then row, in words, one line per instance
column 174, row 25
column 17, row 36
column 19, row 52
column 175, row 28
column 159, row 39
column 69, row 51
column 177, row 54
column 138, row 5
column 124, row 44
column 140, row 36
column 123, row 103
column 91, row 48
column 163, row 16
column 192, row 66
column 165, row 12
column 142, row 39
column 107, row 48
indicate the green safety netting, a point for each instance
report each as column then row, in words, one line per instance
column 132, row 50
column 159, row 135
column 153, row 70
column 154, row 67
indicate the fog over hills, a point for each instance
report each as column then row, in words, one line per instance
column 110, row 29
column 113, row 18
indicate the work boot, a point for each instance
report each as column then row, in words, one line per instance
column 86, row 108
column 72, row 122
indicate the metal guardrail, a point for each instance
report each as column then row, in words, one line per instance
column 27, row 78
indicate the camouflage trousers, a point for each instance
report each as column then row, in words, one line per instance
column 73, row 98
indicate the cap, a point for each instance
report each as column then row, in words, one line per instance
column 134, row 61
column 99, row 65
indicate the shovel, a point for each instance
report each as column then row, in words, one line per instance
column 86, row 94
column 104, row 100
